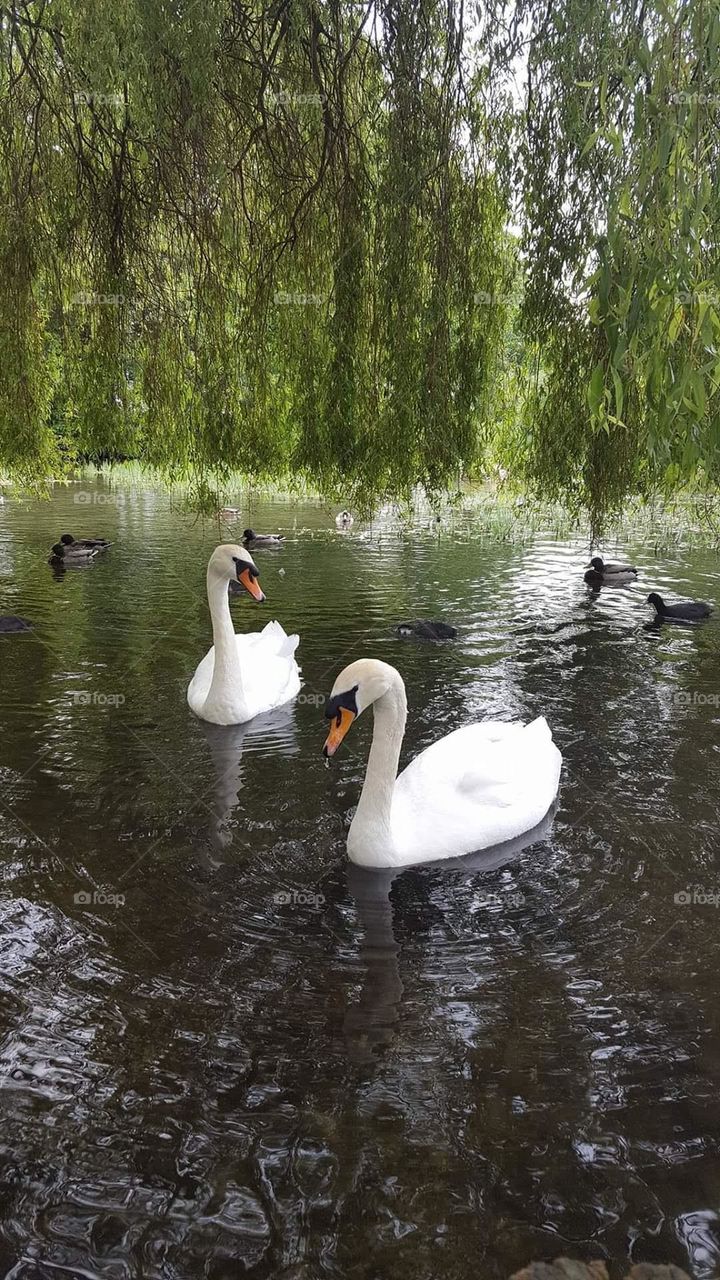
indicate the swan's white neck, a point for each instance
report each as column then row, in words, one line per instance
column 227, row 673
column 370, row 837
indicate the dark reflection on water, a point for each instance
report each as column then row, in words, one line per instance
column 234, row 1054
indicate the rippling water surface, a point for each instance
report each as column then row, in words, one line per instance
column 233, row 1054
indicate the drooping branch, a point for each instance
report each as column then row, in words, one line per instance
column 277, row 238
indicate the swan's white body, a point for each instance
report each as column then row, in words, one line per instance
column 479, row 786
column 241, row 676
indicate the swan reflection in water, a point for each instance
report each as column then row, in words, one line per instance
column 273, row 734
column 369, row 1025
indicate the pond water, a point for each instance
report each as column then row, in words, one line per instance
column 223, row 1051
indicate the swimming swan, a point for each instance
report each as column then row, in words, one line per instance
column 241, row 676
column 479, row 786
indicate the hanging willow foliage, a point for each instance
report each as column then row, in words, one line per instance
column 620, row 180
column 238, row 237
column 275, row 239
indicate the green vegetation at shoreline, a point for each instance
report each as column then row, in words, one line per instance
column 483, row 511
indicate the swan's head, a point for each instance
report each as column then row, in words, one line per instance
column 359, row 685
column 597, row 564
column 229, row 563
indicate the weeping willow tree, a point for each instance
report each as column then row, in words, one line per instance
column 275, row 239
column 621, row 184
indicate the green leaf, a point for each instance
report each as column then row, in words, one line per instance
column 596, row 389
column 617, row 384
column 598, row 133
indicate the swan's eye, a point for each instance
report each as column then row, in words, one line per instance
column 249, row 568
column 342, row 701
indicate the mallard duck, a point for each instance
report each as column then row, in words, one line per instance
column 231, row 513
column 424, row 629
column 262, row 539
column 344, row 520
column 242, row 675
column 478, row 786
column 11, row 623
column 599, row 573
column 686, row 611
column 83, row 544
column 72, row 556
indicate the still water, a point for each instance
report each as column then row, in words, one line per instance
column 223, row 1051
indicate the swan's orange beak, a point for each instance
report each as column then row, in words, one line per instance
column 337, row 733
column 252, row 585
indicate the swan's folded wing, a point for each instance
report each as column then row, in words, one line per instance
column 288, row 646
column 202, row 679
column 507, row 770
column 480, row 786
column 272, row 639
column 270, row 673
column 488, row 764
column 468, row 757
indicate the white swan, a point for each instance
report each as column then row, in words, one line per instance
column 241, row 676
column 479, row 786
